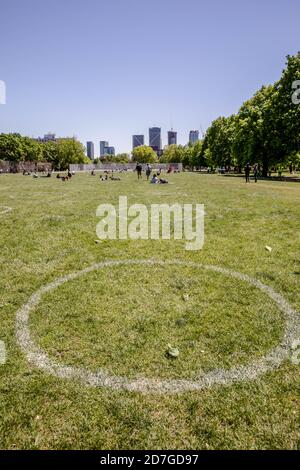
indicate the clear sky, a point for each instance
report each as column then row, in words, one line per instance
column 107, row 69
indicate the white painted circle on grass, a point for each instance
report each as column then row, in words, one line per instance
column 5, row 209
column 40, row 359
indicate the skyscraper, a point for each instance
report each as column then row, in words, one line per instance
column 155, row 138
column 172, row 137
column 137, row 141
column 110, row 150
column 90, row 150
column 194, row 137
column 105, row 149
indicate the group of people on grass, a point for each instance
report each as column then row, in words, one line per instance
column 155, row 179
column 248, row 171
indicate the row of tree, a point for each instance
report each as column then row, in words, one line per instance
column 61, row 153
column 266, row 131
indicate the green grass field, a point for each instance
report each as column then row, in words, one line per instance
column 122, row 318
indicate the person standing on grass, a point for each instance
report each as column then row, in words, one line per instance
column 247, row 172
column 139, row 169
column 255, row 172
column 148, row 171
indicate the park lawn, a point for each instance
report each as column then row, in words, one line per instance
column 122, row 318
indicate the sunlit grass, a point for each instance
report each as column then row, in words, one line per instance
column 123, row 318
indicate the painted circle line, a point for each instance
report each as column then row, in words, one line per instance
column 271, row 361
column 5, row 209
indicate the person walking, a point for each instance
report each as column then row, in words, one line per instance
column 255, row 172
column 247, row 172
column 139, row 170
column 148, row 171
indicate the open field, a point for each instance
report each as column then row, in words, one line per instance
column 121, row 318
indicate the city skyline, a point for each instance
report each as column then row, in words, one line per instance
column 155, row 141
column 197, row 77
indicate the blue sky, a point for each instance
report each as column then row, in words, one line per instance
column 107, row 69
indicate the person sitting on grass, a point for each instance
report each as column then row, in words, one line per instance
column 154, row 180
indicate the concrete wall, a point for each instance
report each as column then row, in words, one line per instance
column 125, row 166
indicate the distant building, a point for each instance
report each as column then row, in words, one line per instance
column 172, row 138
column 52, row 138
column 103, row 146
column 47, row 138
column 155, row 139
column 137, row 141
column 90, row 150
column 110, row 151
column 194, row 137
column 105, row 149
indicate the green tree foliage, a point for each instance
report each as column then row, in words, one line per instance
column 69, row 151
column 173, row 154
column 219, row 138
column 191, row 155
column 198, row 158
column 266, row 129
column 144, row 154
column 119, row 158
column 286, row 114
column 15, row 148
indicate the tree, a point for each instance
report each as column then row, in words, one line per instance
column 144, row 154
column 219, row 138
column 173, row 154
column 69, row 151
column 15, row 148
column 256, row 140
column 286, row 113
column 197, row 155
column 50, row 152
column 119, row 158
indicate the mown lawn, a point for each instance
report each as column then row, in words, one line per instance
column 122, row 318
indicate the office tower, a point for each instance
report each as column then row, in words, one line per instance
column 110, row 150
column 172, row 137
column 90, row 150
column 155, row 138
column 194, row 137
column 103, row 147
column 137, row 141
